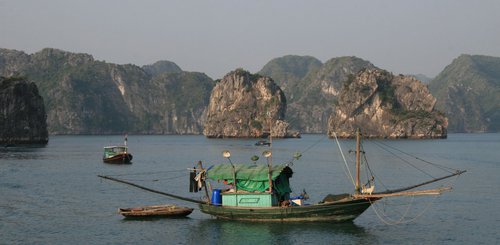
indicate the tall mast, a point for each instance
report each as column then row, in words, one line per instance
column 270, row 158
column 358, row 157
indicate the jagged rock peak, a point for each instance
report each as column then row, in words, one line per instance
column 22, row 114
column 386, row 106
column 160, row 67
column 246, row 105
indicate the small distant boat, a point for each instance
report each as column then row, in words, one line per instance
column 117, row 154
column 263, row 142
column 155, row 211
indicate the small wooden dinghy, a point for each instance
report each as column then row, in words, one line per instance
column 155, row 211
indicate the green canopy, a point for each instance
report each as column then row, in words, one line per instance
column 255, row 172
column 251, row 177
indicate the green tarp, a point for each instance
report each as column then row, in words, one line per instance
column 251, row 177
column 256, row 172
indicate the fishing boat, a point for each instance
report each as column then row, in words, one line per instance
column 117, row 154
column 156, row 211
column 262, row 193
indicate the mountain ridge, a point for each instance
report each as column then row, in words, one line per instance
column 87, row 96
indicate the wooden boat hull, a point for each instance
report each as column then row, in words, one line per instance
column 263, row 142
column 119, row 158
column 158, row 211
column 340, row 211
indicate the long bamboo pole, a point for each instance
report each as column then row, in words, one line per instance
column 421, row 184
column 270, row 158
column 405, row 193
column 151, row 190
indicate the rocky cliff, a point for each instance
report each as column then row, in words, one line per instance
column 468, row 90
column 85, row 96
column 386, row 106
column 246, row 105
column 22, row 113
column 313, row 92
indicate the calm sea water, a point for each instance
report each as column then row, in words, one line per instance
column 52, row 195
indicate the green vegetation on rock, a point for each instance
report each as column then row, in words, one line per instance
column 84, row 96
column 468, row 91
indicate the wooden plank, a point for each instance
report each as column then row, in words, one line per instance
column 405, row 193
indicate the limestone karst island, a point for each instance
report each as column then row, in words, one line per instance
column 59, row 92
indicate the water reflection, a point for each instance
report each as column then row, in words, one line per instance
column 151, row 218
column 27, row 152
column 214, row 231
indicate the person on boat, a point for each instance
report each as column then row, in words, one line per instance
column 229, row 186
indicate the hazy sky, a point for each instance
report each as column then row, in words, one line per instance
column 215, row 37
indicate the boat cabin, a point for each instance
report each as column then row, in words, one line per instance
column 116, row 154
column 110, row 151
column 253, row 187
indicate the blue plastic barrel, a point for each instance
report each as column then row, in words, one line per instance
column 216, row 197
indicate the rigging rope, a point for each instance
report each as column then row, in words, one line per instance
column 307, row 149
column 349, row 174
column 367, row 166
column 371, row 171
column 444, row 168
column 404, row 160
column 313, row 145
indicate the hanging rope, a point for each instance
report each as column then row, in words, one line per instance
column 371, row 171
column 385, row 218
column 381, row 214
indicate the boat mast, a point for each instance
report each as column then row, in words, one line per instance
column 270, row 158
column 358, row 157
column 270, row 165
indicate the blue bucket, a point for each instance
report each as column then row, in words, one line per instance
column 216, row 197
